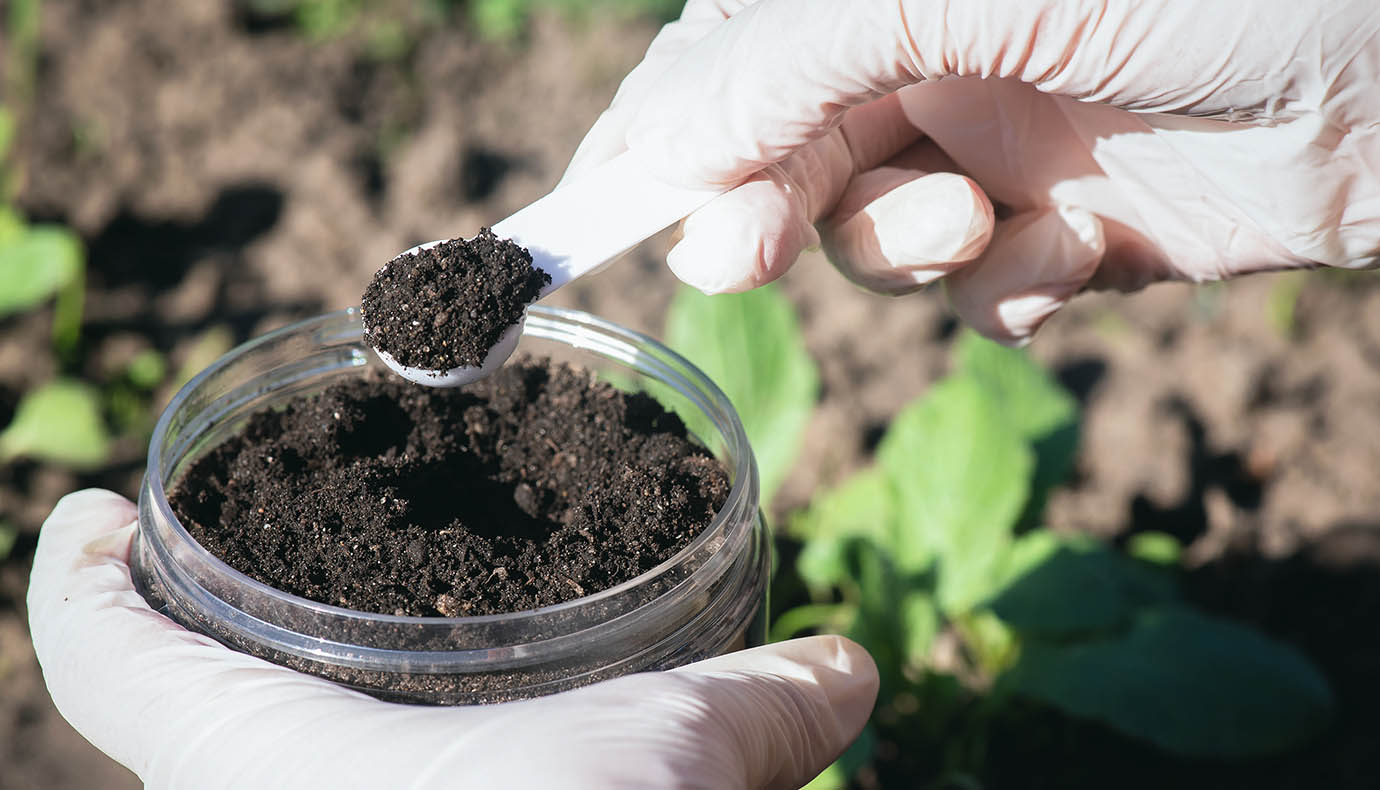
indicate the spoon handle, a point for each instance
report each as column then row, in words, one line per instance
column 597, row 217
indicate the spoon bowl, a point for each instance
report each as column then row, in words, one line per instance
column 572, row 231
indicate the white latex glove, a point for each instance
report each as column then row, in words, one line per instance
column 182, row 711
column 1132, row 140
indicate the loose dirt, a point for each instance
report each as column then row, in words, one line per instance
column 446, row 306
column 534, row 486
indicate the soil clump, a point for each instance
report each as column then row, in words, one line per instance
column 444, row 307
column 533, row 486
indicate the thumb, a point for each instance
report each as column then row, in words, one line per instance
column 769, row 717
column 175, row 707
column 780, row 73
column 783, row 712
column 1035, row 263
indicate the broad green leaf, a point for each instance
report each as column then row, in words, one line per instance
column 861, row 507
column 1036, row 405
column 12, row 226
column 1188, row 682
column 1025, row 554
column 921, row 623
column 59, row 422
column 961, row 476
column 35, row 263
column 1080, row 586
column 751, row 345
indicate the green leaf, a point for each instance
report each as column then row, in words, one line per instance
column 1036, row 405
column 921, row 623
column 833, row 777
column 1157, row 548
column 6, row 133
column 1188, row 682
column 1282, row 302
column 321, row 20
column 861, row 507
column 751, row 345
column 824, row 618
column 1079, row 586
column 499, row 20
column 147, row 369
column 8, row 535
column 1025, row 554
column 59, row 422
column 961, row 476
column 990, row 641
column 858, row 754
column 35, row 262
column 12, row 227
column 878, row 588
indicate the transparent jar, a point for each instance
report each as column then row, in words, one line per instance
column 708, row 599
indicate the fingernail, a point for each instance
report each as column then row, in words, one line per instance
column 851, row 686
column 1022, row 315
column 700, row 262
column 741, row 239
column 940, row 217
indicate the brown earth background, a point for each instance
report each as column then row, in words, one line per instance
column 228, row 175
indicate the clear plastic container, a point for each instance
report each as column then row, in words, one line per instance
column 708, row 599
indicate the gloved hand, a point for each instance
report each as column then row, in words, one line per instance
column 182, row 711
column 1131, row 140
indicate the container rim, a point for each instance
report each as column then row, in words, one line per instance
column 542, row 322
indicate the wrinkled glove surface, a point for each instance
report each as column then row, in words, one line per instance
column 1128, row 140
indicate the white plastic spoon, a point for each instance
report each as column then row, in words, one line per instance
column 570, row 232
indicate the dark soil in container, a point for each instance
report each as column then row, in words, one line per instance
column 536, row 485
column 446, row 306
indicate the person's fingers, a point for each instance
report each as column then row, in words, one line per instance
column 769, row 717
column 183, row 711
column 897, row 228
column 1034, row 264
column 746, row 237
column 752, row 234
column 787, row 710
column 177, row 708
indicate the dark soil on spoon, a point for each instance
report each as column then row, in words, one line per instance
column 533, row 486
column 446, row 306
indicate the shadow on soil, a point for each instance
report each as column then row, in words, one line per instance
column 153, row 257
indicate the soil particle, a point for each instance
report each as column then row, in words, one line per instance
column 446, row 306
column 536, row 485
